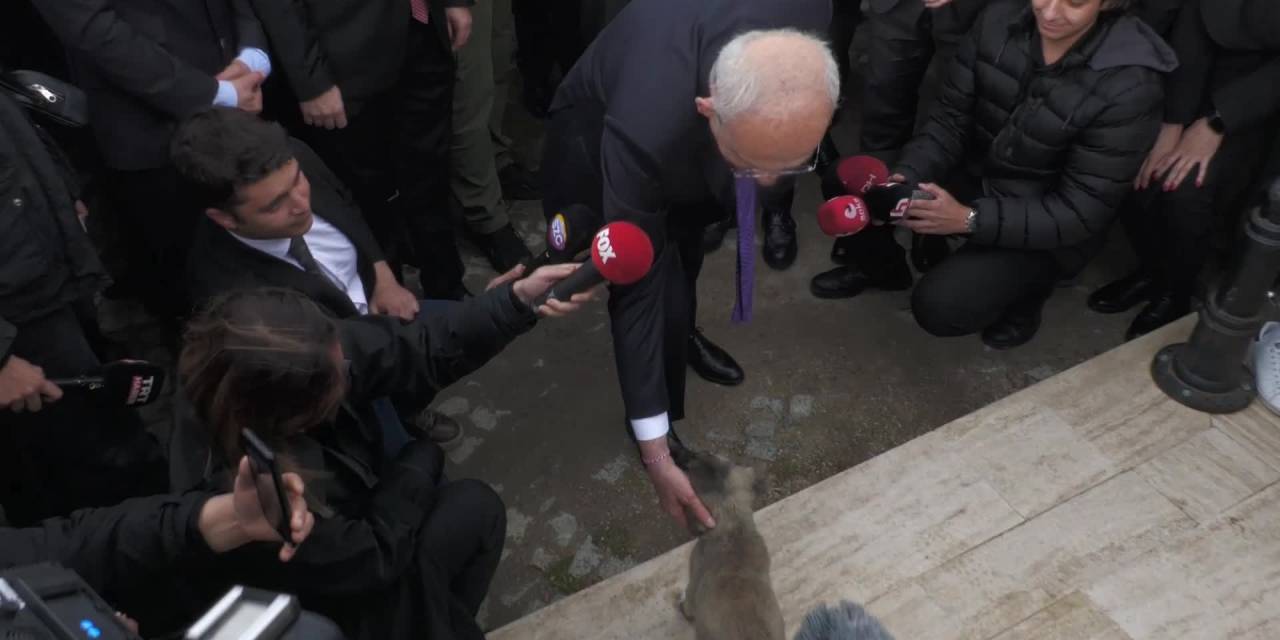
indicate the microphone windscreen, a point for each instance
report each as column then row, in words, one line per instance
column 622, row 253
column 570, row 230
column 843, row 216
column 131, row 383
column 859, row 173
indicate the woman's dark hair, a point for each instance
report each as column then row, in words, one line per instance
column 220, row 149
column 262, row 359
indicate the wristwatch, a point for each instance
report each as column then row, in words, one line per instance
column 971, row 221
column 1216, row 123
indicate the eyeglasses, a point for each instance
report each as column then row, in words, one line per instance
column 808, row 167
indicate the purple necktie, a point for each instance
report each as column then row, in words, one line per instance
column 746, row 191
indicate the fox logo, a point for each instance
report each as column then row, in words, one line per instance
column 604, row 248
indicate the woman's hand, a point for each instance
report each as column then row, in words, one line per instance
column 529, row 289
column 1197, row 147
column 942, row 216
column 1166, row 142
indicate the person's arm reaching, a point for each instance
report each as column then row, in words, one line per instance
column 23, row 386
column 128, row 58
column 297, row 47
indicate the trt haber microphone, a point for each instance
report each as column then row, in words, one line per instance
column 888, row 202
column 621, row 254
column 569, row 233
column 129, row 383
column 843, row 216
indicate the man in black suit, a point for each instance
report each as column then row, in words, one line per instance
column 276, row 216
column 145, row 65
column 370, row 88
column 676, row 106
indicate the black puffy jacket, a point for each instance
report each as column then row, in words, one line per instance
column 46, row 259
column 1056, row 146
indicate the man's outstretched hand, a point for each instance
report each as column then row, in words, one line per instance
column 675, row 494
column 23, row 386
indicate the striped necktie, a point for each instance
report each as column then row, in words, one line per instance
column 419, row 10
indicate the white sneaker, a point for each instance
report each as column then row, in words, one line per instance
column 1266, row 366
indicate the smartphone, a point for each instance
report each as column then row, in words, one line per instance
column 266, row 474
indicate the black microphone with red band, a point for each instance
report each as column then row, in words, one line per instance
column 620, row 254
column 127, row 383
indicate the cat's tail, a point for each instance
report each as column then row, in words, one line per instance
column 845, row 621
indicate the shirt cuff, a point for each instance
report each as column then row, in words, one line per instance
column 651, row 428
column 256, row 59
column 226, row 96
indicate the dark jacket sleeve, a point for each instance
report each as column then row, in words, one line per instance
column 1160, row 15
column 433, row 351
column 939, row 147
column 128, row 59
column 1187, row 86
column 8, row 333
column 296, row 45
column 249, row 32
column 118, row 550
column 1250, row 101
column 1096, row 177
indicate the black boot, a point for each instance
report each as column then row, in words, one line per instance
column 1164, row 308
column 1123, row 294
column 1019, row 325
column 849, row 281
column 779, row 239
column 714, row 235
column 712, row 362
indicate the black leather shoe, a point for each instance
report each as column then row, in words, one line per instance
column 842, row 251
column 503, row 248
column 848, row 281
column 928, row 251
column 712, row 362
column 1163, row 309
column 1018, row 326
column 714, row 235
column 519, row 183
column 779, row 239
column 1123, row 294
column 439, row 428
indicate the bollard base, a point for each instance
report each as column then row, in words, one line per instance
column 1209, row 396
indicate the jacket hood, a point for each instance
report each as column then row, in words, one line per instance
column 1128, row 41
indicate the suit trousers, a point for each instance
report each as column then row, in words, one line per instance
column 1171, row 232
column 653, row 318
column 394, row 155
column 74, row 453
column 904, row 39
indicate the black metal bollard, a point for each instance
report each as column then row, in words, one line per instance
column 1207, row 373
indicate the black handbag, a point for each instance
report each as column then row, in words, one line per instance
column 47, row 96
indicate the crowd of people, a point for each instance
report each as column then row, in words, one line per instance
column 261, row 174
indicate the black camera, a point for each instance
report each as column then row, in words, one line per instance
column 48, row 602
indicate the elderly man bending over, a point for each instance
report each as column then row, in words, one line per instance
column 673, row 109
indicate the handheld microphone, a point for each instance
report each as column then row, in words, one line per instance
column 129, row 383
column 621, row 254
column 569, row 233
column 860, row 173
column 888, row 202
column 843, row 216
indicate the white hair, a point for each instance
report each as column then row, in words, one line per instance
column 741, row 84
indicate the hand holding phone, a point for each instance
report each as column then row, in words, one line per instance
column 268, row 483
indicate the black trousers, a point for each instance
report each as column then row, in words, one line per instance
column 463, row 537
column 1171, row 232
column 651, row 319
column 156, row 222
column 73, row 453
column 394, row 155
column 976, row 286
column 903, row 41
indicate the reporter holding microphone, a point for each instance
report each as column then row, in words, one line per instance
column 1037, row 135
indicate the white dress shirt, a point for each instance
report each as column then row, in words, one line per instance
column 332, row 250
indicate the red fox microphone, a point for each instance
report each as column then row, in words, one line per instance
column 620, row 254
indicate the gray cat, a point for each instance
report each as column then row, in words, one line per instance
column 730, row 595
